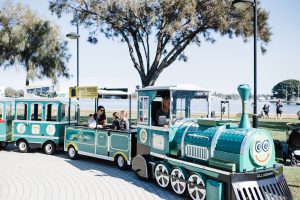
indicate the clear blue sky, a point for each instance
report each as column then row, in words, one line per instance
column 221, row 66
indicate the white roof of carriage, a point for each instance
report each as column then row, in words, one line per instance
column 182, row 87
column 112, row 92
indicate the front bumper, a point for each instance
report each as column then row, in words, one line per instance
column 261, row 185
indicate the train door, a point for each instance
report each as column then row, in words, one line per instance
column 102, row 142
column 9, row 119
column 21, row 122
column 36, row 123
column 51, row 125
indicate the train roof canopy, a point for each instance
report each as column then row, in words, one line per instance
column 181, row 87
column 112, row 92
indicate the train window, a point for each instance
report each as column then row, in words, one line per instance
column 21, row 111
column 51, row 112
column 36, row 112
column 143, row 109
column 73, row 112
column 64, row 112
column 1, row 111
column 8, row 111
column 188, row 104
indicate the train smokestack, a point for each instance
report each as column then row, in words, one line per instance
column 244, row 91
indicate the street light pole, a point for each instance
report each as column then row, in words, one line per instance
column 77, row 55
column 255, row 115
column 76, row 36
column 243, row 4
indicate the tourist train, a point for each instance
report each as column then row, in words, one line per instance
column 205, row 158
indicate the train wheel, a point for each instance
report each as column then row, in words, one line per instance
column 72, row 153
column 121, row 162
column 162, row 175
column 178, row 183
column 49, row 148
column 23, row 146
column 196, row 187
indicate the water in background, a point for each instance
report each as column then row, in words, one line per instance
column 235, row 106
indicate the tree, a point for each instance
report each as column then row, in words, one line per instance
column 171, row 25
column 32, row 42
column 287, row 89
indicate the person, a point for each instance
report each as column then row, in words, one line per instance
column 101, row 116
column 223, row 110
column 124, row 123
column 298, row 113
column 266, row 110
column 279, row 110
column 91, row 121
column 115, row 124
column 164, row 110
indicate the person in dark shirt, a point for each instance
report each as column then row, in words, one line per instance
column 101, row 116
column 279, row 110
column 164, row 110
column 266, row 110
column 116, row 123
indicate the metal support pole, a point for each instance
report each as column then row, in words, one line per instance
column 255, row 115
column 78, row 108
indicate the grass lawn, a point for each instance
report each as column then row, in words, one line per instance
column 277, row 128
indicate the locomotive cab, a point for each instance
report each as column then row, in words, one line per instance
column 156, row 133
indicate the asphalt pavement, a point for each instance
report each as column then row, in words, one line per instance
column 37, row 176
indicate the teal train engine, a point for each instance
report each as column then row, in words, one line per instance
column 203, row 157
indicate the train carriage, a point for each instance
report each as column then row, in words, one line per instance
column 102, row 142
column 36, row 123
column 203, row 157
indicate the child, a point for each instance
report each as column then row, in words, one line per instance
column 124, row 123
column 115, row 123
column 91, row 121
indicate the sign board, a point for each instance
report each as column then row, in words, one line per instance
column 90, row 92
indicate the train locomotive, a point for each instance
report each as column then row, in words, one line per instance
column 206, row 158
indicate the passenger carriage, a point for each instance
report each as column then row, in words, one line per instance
column 103, row 143
column 37, row 123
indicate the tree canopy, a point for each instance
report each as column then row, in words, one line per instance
column 286, row 89
column 34, row 43
column 171, row 25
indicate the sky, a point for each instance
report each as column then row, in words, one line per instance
column 221, row 66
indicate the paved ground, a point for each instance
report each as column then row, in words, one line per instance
column 36, row 176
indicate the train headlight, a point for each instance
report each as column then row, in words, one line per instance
column 260, row 149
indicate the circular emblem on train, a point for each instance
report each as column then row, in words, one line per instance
column 261, row 150
column 143, row 135
column 80, row 136
column 21, row 128
column 50, row 130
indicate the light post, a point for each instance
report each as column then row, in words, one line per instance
column 76, row 36
column 243, row 4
